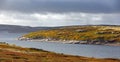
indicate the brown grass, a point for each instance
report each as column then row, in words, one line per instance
column 18, row 54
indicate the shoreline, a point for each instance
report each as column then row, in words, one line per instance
column 71, row 42
column 31, row 54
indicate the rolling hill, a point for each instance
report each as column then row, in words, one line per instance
column 88, row 34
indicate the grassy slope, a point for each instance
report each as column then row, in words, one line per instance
column 79, row 33
column 18, row 54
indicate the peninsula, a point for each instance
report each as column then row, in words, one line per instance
column 86, row 34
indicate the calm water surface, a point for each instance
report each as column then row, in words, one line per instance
column 98, row 51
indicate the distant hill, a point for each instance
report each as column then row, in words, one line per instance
column 17, row 28
column 87, row 34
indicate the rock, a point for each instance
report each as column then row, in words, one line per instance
column 83, row 42
column 81, row 30
column 24, row 38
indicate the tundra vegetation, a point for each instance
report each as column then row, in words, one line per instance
column 12, row 53
column 83, row 34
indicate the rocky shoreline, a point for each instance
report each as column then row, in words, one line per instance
column 90, row 42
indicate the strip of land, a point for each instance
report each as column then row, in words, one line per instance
column 96, row 35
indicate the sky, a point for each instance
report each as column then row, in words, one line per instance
column 59, row 12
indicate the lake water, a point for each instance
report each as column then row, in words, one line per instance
column 98, row 51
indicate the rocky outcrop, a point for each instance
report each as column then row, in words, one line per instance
column 24, row 38
column 94, row 42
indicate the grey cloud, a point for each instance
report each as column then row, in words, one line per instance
column 61, row 6
column 54, row 19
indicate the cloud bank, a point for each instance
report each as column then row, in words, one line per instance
column 55, row 19
column 89, row 6
column 59, row 13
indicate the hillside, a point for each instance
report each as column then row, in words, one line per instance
column 78, row 34
column 12, row 53
column 20, row 29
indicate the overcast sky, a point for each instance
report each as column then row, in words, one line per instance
column 59, row 12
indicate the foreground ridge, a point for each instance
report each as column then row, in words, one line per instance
column 12, row 53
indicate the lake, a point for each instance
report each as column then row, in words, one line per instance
column 99, row 51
